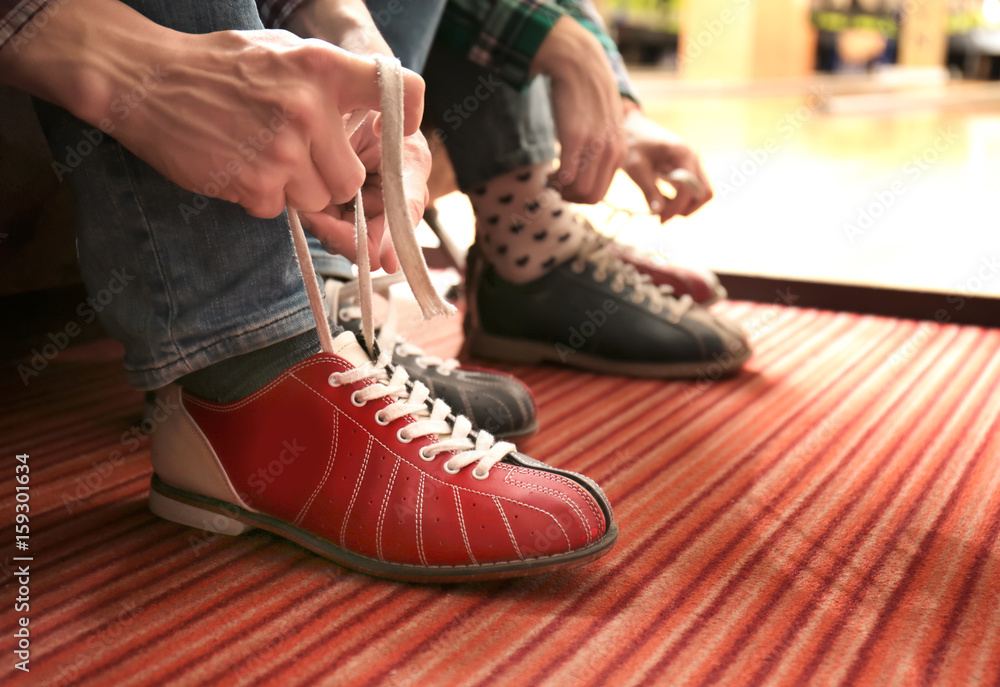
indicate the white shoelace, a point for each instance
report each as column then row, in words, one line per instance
column 599, row 251
column 337, row 291
column 452, row 434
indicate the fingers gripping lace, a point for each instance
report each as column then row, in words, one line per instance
column 430, row 420
column 453, row 435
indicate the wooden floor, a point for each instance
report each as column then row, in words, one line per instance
column 835, row 179
column 829, row 516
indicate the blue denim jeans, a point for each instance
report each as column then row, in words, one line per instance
column 488, row 127
column 198, row 280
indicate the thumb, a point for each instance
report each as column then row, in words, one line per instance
column 645, row 178
column 359, row 88
column 569, row 168
column 413, row 105
column 413, row 102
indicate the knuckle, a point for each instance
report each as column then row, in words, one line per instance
column 285, row 150
column 312, row 55
column 313, row 202
column 302, row 105
column 263, row 208
column 344, row 189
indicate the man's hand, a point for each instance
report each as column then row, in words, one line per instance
column 334, row 226
column 587, row 110
column 653, row 153
column 260, row 109
column 347, row 23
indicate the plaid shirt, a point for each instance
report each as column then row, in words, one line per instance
column 501, row 35
column 504, row 35
column 14, row 15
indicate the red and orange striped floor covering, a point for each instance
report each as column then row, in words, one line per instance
column 829, row 516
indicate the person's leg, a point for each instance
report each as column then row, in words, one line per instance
column 495, row 402
column 542, row 285
column 202, row 286
column 408, row 26
column 182, row 273
column 502, row 144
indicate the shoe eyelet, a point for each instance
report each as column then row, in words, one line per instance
column 400, row 438
column 355, row 401
column 475, row 474
column 344, row 315
column 451, row 471
column 380, row 419
column 333, row 380
column 424, row 456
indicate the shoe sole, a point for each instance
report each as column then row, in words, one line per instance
column 202, row 512
column 533, row 353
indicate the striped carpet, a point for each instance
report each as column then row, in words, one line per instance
column 829, row 516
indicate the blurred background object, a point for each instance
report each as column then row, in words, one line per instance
column 851, row 144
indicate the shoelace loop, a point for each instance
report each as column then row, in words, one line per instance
column 453, row 434
column 598, row 251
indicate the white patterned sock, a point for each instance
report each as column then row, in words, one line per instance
column 524, row 228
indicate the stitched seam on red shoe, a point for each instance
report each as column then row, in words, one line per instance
column 510, row 532
column 420, row 519
column 381, row 514
column 326, row 473
column 461, row 524
column 565, row 481
column 562, row 497
column 373, row 439
column 357, row 488
column 186, row 417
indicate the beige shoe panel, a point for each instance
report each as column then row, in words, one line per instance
column 184, row 458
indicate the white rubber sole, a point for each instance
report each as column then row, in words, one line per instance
column 192, row 516
column 533, row 353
